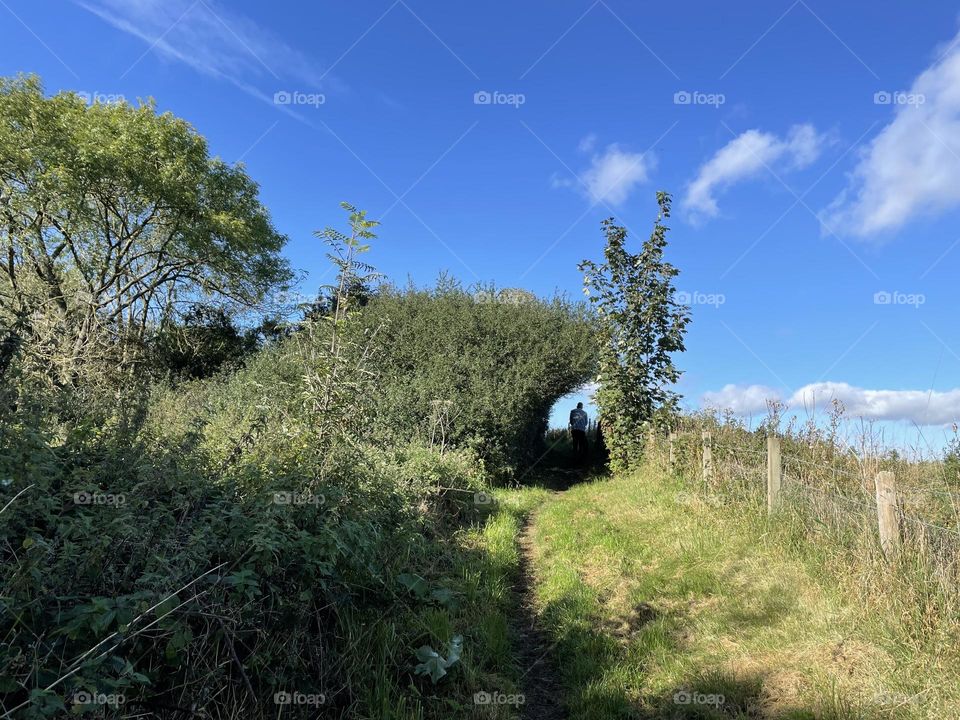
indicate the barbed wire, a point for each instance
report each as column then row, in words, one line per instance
column 788, row 458
column 739, row 449
column 830, row 468
column 870, row 506
column 918, row 521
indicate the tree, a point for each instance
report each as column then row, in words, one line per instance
column 111, row 218
column 336, row 378
column 206, row 340
column 640, row 327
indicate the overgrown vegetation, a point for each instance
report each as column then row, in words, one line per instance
column 203, row 518
column 478, row 369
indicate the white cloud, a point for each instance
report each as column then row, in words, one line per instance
column 922, row 407
column 917, row 406
column 912, row 167
column 214, row 41
column 741, row 399
column 612, row 175
column 747, row 155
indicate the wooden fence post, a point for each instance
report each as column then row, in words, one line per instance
column 774, row 473
column 673, row 458
column 887, row 515
column 707, row 467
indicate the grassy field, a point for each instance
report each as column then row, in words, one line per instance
column 666, row 606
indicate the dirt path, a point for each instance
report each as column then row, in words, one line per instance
column 540, row 680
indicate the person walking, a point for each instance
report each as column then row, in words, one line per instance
column 578, row 431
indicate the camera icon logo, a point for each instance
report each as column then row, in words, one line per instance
column 682, row 97
column 882, row 298
column 482, row 498
column 482, row 97
column 882, row 98
column 282, row 97
column 482, row 698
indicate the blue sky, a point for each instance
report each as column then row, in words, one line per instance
column 813, row 149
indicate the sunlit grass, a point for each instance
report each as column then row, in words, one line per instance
column 652, row 593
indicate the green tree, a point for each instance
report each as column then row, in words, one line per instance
column 111, row 218
column 640, row 327
column 203, row 342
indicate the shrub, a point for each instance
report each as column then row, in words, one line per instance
column 478, row 369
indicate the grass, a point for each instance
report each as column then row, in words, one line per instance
column 479, row 563
column 657, row 597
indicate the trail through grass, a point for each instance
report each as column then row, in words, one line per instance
column 665, row 606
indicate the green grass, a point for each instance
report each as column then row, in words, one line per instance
column 479, row 563
column 651, row 592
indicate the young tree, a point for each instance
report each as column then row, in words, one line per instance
column 640, row 327
column 112, row 216
column 335, row 352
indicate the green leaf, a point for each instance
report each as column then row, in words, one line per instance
column 414, row 584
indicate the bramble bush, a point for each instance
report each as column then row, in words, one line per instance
column 262, row 531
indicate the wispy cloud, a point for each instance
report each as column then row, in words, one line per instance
column 923, row 407
column 212, row 40
column 587, row 143
column 746, row 156
column 912, row 167
column 612, row 174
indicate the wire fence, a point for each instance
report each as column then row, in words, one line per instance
column 834, row 496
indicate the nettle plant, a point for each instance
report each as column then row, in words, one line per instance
column 640, row 327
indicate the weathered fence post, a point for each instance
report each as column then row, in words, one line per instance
column 774, row 473
column 673, row 458
column 707, row 467
column 887, row 516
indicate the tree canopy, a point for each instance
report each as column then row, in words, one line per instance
column 113, row 216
